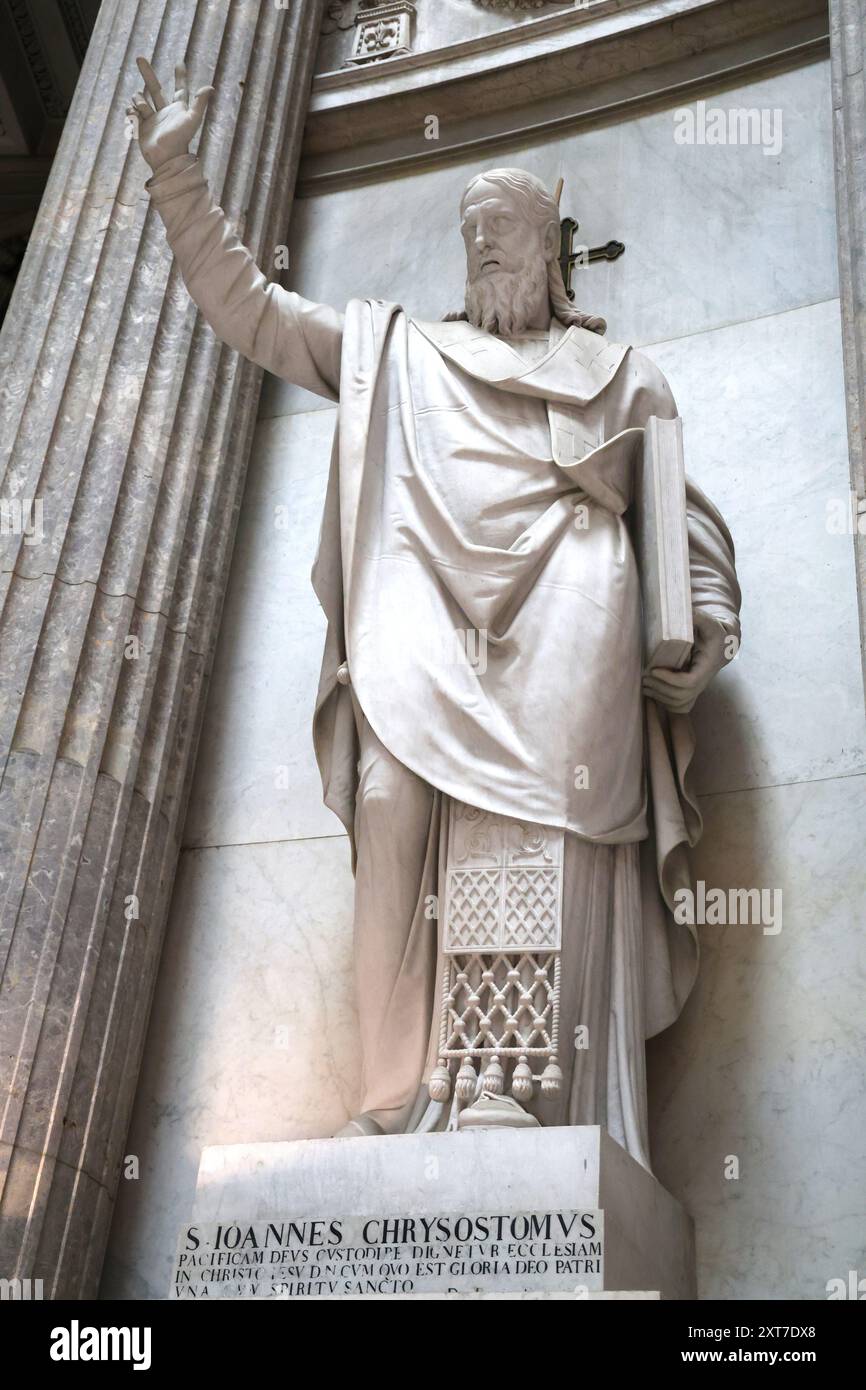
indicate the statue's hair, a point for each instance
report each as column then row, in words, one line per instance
column 541, row 207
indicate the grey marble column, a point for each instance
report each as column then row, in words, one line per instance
column 127, row 425
column 848, row 50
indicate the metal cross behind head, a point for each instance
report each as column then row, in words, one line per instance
column 568, row 257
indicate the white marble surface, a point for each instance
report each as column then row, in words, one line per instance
column 407, row 1174
column 764, row 435
column 767, row 1061
column 713, row 235
column 648, row 1238
column 259, row 780
column 253, row 1033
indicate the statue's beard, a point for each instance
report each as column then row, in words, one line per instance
column 504, row 301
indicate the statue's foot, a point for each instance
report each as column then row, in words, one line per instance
column 495, row 1112
column 360, row 1127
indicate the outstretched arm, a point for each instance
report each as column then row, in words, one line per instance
column 287, row 335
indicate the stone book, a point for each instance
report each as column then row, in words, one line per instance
column 661, row 535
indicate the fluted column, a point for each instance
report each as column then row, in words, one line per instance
column 128, row 425
column 848, row 52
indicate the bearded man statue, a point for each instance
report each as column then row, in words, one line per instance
column 464, row 451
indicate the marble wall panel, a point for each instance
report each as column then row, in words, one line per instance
column 253, row 1034
column 258, row 779
column 767, row 1063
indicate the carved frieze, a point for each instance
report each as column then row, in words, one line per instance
column 382, row 31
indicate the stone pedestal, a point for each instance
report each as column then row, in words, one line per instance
column 561, row 1211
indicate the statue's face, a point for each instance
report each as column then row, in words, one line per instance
column 498, row 235
column 507, row 255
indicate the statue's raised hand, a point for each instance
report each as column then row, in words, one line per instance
column 165, row 128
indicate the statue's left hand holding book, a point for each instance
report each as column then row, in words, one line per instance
column 684, row 647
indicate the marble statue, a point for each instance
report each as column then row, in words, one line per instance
column 514, row 785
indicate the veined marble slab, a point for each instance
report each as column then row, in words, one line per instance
column 392, row 1188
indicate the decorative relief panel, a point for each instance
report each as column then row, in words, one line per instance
column 504, row 883
column 383, row 31
column 501, row 939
